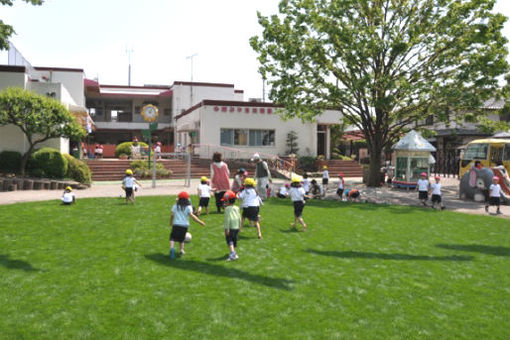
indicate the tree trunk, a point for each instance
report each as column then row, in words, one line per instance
column 374, row 177
column 24, row 160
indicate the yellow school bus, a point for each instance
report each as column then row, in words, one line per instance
column 490, row 152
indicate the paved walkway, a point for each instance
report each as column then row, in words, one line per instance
column 173, row 187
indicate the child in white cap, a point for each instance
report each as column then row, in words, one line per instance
column 494, row 195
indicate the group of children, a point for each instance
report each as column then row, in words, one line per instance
column 425, row 188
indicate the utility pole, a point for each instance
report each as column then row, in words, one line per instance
column 191, row 87
column 129, row 51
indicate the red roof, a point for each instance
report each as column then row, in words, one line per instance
column 90, row 83
column 353, row 135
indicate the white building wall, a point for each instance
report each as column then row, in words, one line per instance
column 183, row 99
column 211, row 122
column 72, row 81
column 12, row 79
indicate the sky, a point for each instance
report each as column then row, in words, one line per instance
column 96, row 35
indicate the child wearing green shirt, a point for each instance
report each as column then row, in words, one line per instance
column 232, row 223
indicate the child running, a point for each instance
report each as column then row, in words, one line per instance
column 494, row 195
column 306, row 183
column 436, row 193
column 341, row 185
column 204, row 192
column 68, row 197
column 237, row 183
column 325, row 180
column 232, row 223
column 128, row 184
column 423, row 188
column 251, row 202
column 297, row 195
column 284, row 191
column 179, row 222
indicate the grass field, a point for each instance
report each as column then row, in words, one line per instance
column 100, row 270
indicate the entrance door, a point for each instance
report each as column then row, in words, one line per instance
column 321, row 140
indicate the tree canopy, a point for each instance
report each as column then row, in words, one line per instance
column 7, row 30
column 39, row 117
column 383, row 63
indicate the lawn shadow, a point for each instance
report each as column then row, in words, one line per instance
column 478, row 248
column 16, row 264
column 336, row 204
column 217, row 270
column 382, row 256
column 219, row 258
column 290, row 231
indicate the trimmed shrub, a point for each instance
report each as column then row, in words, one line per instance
column 47, row 162
column 125, row 148
column 307, row 164
column 141, row 170
column 78, row 170
column 10, row 161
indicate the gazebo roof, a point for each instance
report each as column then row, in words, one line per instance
column 413, row 141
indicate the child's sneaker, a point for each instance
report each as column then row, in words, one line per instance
column 182, row 252
column 235, row 257
column 172, row 253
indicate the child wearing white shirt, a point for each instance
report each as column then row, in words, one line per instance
column 297, row 195
column 251, row 203
column 435, row 188
column 494, row 195
column 204, row 193
column 325, row 180
column 341, row 185
column 68, row 197
column 423, row 188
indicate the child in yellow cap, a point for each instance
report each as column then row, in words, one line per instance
column 68, row 197
column 128, row 184
column 325, row 179
column 204, row 193
column 297, row 195
column 251, row 202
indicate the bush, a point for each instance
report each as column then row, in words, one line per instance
column 141, row 170
column 78, row 170
column 125, row 148
column 10, row 161
column 47, row 162
column 307, row 164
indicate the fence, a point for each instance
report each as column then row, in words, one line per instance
column 447, row 163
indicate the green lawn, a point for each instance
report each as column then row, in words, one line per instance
column 100, row 270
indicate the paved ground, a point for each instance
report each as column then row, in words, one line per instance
column 172, row 187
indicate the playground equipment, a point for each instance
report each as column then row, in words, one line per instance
column 476, row 182
column 413, row 156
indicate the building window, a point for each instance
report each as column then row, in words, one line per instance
column 245, row 137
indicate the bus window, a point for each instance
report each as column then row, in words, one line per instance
column 496, row 154
column 506, row 154
column 476, row 151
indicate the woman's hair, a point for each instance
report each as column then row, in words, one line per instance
column 182, row 203
column 216, row 157
column 295, row 184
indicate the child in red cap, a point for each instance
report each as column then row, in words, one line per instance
column 179, row 220
column 494, row 195
column 232, row 223
column 435, row 188
column 423, row 188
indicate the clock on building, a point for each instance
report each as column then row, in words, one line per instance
column 150, row 113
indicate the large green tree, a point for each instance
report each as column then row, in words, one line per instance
column 7, row 30
column 384, row 64
column 39, row 117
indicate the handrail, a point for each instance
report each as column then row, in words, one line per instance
column 273, row 161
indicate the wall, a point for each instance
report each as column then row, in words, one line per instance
column 212, row 121
column 72, row 81
column 182, row 95
column 13, row 79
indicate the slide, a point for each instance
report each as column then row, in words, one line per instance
column 504, row 182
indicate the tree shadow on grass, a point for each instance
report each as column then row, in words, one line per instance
column 16, row 264
column 382, row 256
column 217, row 270
column 332, row 204
column 478, row 248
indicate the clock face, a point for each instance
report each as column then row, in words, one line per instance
column 150, row 113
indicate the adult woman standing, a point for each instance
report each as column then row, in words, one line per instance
column 220, row 181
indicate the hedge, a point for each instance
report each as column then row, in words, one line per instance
column 10, row 162
column 125, row 148
column 78, row 170
column 48, row 162
column 141, row 170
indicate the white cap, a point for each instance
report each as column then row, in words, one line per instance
column 256, row 156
